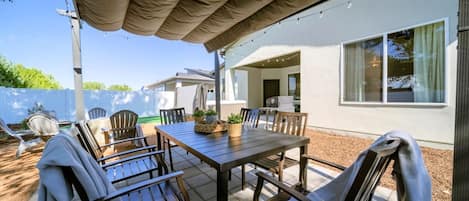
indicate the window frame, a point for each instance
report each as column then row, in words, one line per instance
column 288, row 82
column 384, row 66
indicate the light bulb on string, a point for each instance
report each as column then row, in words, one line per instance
column 321, row 14
column 297, row 20
column 349, row 4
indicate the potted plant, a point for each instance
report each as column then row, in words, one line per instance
column 198, row 116
column 211, row 116
column 234, row 125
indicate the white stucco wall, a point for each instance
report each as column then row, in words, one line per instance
column 319, row 41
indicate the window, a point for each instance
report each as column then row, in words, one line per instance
column 294, row 85
column 408, row 68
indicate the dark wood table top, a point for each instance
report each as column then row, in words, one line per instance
column 222, row 152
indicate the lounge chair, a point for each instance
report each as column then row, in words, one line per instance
column 65, row 164
column 20, row 135
column 123, row 125
column 43, row 124
column 96, row 112
column 130, row 163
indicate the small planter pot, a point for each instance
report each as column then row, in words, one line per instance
column 198, row 119
column 211, row 119
column 234, row 130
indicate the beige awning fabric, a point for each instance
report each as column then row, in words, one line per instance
column 215, row 23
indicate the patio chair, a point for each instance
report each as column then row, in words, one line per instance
column 290, row 123
column 122, row 165
column 171, row 116
column 269, row 115
column 123, row 125
column 66, row 170
column 43, row 124
column 20, row 135
column 96, row 112
column 365, row 181
column 250, row 117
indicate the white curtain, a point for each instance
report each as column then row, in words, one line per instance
column 429, row 60
column 354, row 72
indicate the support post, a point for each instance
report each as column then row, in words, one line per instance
column 217, row 85
column 77, row 75
column 461, row 131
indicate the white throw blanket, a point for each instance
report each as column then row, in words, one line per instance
column 63, row 151
column 416, row 181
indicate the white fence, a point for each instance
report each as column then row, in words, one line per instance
column 14, row 103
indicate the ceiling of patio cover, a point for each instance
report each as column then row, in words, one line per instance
column 215, row 23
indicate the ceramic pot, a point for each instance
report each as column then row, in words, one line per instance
column 211, row 119
column 234, row 130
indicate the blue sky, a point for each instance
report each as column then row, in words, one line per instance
column 34, row 35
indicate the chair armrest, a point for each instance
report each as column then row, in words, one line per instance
column 149, row 148
column 334, row 165
column 122, row 141
column 131, row 158
column 143, row 184
column 260, row 180
column 119, row 129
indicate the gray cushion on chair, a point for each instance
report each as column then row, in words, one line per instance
column 63, row 151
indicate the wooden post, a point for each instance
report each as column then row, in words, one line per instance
column 461, row 132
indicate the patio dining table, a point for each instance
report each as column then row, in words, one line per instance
column 224, row 153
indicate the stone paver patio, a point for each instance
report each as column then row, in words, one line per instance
column 200, row 179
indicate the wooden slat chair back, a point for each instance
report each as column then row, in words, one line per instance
column 364, row 184
column 97, row 112
column 123, row 124
column 42, row 124
column 269, row 117
column 250, row 117
column 88, row 140
column 172, row 116
column 371, row 170
column 291, row 123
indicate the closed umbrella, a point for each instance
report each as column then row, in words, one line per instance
column 200, row 98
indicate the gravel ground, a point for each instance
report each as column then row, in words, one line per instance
column 344, row 150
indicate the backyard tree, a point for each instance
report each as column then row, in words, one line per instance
column 9, row 77
column 94, row 86
column 35, row 78
column 119, row 87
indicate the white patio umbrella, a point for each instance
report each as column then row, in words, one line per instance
column 200, row 98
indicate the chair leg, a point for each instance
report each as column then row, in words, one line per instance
column 170, row 156
column 243, row 176
column 229, row 176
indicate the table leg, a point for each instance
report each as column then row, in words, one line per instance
column 303, row 167
column 222, row 186
column 158, row 144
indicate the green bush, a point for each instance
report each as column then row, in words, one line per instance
column 198, row 113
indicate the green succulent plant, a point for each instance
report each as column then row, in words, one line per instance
column 235, row 119
column 198, row 113
column 210, row 113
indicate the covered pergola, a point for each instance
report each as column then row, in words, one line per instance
column 219, row 23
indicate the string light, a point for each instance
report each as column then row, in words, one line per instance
column 347, row 4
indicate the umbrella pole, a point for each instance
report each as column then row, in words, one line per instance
column 217, row 85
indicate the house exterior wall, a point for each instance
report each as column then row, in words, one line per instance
column 319, row 41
